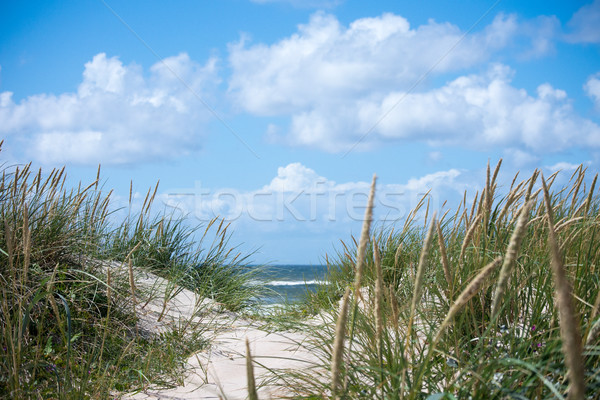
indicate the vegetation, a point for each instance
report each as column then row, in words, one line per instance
column 498, row 299
column 68, row 322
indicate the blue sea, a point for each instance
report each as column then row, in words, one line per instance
column 290, row 282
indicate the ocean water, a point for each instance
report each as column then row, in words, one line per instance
column 289, row 282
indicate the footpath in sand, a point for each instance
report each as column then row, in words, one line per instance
column 218, row 372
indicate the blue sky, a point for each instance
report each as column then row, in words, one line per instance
column 274, row 114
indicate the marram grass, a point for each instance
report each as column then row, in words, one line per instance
column 534, row 333
column 68, row 325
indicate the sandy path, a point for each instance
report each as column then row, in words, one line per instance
column 219, row 371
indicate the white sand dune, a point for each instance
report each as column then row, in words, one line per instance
column 219, row 372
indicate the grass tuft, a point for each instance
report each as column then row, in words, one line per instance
column 70, row 299
column 420, row 341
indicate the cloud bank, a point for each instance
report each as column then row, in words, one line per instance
column 359, row 86
column 297, row 194
column 337, row 88
column 118, row 114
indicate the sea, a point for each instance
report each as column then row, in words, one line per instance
column 289, row 283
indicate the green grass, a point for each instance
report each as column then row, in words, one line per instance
column 67, row 328
column 456, row 347
column 422, row 327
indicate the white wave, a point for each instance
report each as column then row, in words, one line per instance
column 294, row 283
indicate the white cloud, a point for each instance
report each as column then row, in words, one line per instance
column 429, row 180
column 562, row 166
column 117, row 115
column 352, row 87
column 476, row 111
column 592, row 88
column 584, row 24
column 294, row 177
column 325, row 62
column 298, row 194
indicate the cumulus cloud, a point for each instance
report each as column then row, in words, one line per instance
column 325, row 62
column 294, row 177
column 353, row 87
column 298, row 194
column 476, row 111
column 118, row 114
column 584, row 24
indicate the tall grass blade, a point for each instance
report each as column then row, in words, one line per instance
column 364, row 239
column 252, row 394
column 569, row 327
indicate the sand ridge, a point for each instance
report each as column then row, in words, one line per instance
column 218, row 372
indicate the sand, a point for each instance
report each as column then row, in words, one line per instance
column 218, row 372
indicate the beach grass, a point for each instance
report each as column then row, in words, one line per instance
column 68, row 296
column 496, row 299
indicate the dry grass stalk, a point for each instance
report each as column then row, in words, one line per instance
column 364, row 239
column 531, row 183
column 397, row 256
column 566, row 222
column 132, row 287
column 510, row 200
column 472, row 213
column 588, row 202
column 512, row 184
column 418, row 286
column 465, row 296
column 445, row 214
column 338, row 346
column 444, row 255
column 252, row 394
column 8, row 239
column 496, row 170
column 152, row 197
column 578, row 210
column 481, row 205
column 576, row 187
column 456, row 220
column 378, row 294
column 511, row 257
column 488, row 193
column 108, row 288
column 395, row 310
column 130, row 192
column 569, row 327
column 50, row 298
column 550, row 181
column 131, row 281
column 596, row 307
column 26, row 244
column 98, row 176
column 413, row 213
column 593, row 334
column 469, row 236
column 426, row 214
column 577, row 170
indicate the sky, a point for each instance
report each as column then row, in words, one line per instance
column 275, row 114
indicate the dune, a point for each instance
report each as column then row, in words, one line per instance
column 219, row 371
